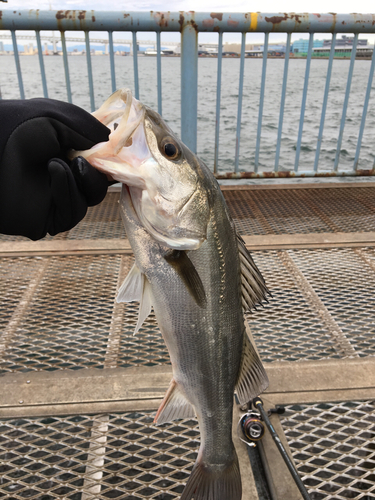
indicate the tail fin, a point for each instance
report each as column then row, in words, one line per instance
column 209, row 483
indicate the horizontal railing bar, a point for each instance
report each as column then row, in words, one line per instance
column 92, row 20
column 289, row 174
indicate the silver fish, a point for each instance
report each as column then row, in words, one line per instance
column 195, row 271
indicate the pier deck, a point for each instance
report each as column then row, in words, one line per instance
column 79, row 390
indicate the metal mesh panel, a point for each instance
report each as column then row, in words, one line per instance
column 101, row 221
column 322, row 304
column 63, row 315
column 293, row 211
column 269, row 211
column 120, row 456
column 333, row 448
column 60, row 312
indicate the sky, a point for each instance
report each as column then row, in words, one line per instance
column 271, row 6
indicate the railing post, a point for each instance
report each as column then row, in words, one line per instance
column 189, row 86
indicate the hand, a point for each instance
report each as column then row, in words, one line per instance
column 41, row 191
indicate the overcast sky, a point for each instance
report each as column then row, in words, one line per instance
column 339, row 6
column 363, row 6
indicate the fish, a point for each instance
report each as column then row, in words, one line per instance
column 192, row 267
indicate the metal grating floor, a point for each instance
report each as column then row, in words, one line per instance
column 256, row 212
column 60, row 312
column 83, row 457
column 302, row 211
column 333, row 448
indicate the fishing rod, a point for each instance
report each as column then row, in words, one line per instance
column 253, row 430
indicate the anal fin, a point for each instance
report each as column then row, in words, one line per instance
column 174, row 406
column 252, row 379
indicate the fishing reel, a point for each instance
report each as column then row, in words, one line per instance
column 252, row 425
column 252, row 428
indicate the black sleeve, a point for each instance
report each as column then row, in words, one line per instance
column 41, row 191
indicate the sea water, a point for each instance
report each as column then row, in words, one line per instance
column 207, row 78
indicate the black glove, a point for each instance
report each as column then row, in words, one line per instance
column 41, row 191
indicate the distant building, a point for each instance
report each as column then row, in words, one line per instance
column 301, row 46
column 2, row 47
column 344, row 41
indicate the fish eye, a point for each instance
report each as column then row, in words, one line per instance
column 170, row 150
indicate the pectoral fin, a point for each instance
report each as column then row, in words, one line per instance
column 183, row 266
column 174, row 406
column 137, row 287
column 132, row 287
column 252, row 379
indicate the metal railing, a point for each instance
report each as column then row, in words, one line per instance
column 189, row 24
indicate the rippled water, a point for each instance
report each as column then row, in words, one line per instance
column 207, row 71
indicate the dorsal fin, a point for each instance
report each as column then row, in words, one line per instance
column 253, row 286
column 252, row 379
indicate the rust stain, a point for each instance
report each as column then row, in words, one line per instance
column 181, row 20
column 216, row 28
column 297, row 18
column 161, row 19
column 93, row 19
column 208, row 23
column 1, row 15
column 217, row 15
column 126, row 15
column 232, row 22
column 195, row 25
column 276, row 19
column 60, row 14
column 365, row 172
column 82, row 15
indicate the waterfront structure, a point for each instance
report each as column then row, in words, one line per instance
column 301, row 45
column 344, row 41
column 363, row 51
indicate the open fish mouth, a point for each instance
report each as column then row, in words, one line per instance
column 144, row 154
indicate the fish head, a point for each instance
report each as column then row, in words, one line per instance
column 174, row 202
column 163, row 176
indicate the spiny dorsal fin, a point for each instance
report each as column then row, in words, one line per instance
column 252, row 379
column 174, row 405
column 183, row 266
column 253, row 286
column 137, row 287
